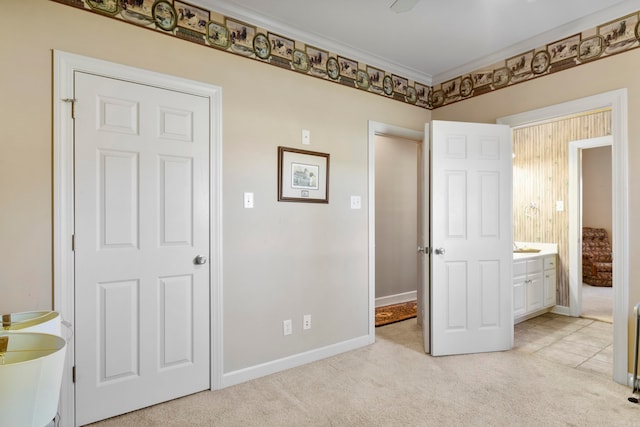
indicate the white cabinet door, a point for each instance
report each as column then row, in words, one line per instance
column 549, row 288
column 142, row 217
column 534, row 292
column 549, row 281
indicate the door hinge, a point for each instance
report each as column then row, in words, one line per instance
column 73, row 243
column 73, row 374
column 73, row 106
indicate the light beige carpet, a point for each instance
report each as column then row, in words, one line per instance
column 597, row 303
column 393, row 383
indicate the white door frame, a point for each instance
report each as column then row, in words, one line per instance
column 617, row 101
column 575, row 217
column 65, row 65
column 383, row 129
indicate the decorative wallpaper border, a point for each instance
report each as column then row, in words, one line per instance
column 208, row 28
column 611, row 38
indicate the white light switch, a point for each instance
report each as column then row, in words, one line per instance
column 306, row 137
column 559, row 205
column 356, row 202
column 248, row 200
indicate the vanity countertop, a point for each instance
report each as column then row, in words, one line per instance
column 545, row 249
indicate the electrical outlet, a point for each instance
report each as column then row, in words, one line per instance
column 287, row 328
column 306, row 322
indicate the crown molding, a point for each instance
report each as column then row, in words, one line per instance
column 567, row 30
column 252, row 17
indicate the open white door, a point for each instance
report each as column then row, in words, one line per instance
column 471, row 238
column 423, row 242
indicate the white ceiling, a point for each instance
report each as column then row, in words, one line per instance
column 437, row 40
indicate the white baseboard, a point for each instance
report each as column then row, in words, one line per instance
column 396, row 299
column 268, row 368
column 561, row 309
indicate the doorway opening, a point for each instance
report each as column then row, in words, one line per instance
column 616, row 101
column 397, row 201
column 395, row 271
column 590, row 180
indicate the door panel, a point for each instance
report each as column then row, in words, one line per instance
column 176, row 327
column 142, row 216
column 118, row 331
column 471, row 237
column 118, row 186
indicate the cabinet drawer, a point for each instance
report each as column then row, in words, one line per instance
column 519, row 268
column 534, row 265
column 549, row 262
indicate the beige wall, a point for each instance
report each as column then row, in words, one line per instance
column 267, row 276
column 396, row 216
column 619, row 71
column 596, row 188
column 281, row 260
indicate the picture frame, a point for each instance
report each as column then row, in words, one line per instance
column 303, row 176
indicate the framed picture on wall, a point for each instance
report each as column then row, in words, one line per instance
column 303, row 176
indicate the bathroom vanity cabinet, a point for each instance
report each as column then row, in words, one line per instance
column 534, row 284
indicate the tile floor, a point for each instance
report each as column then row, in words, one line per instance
column 583, row 344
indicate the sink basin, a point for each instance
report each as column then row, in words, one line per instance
column 525, row 250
